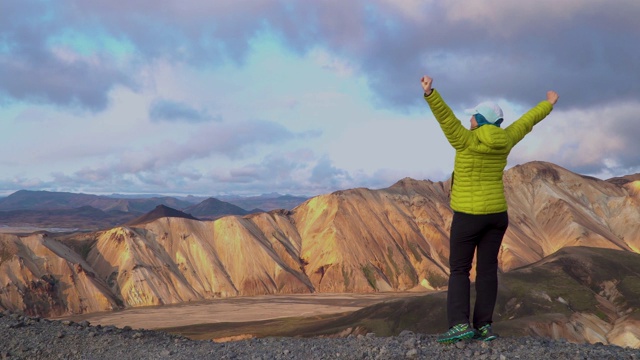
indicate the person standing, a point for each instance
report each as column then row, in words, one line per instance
column 479, row 206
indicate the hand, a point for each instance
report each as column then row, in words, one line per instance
column 552, row 97
column 426, row 84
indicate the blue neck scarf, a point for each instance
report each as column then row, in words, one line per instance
column 481, row 120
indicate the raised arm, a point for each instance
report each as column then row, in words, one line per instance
column 457, row 135
column 524, row 125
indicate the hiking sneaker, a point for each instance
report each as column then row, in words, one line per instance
column 485, row 333
column 456, row 333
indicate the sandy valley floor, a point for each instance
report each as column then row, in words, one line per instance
column 238, row 309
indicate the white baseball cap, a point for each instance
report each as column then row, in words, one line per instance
column 489, row 110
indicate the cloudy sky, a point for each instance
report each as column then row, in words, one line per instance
column 301, row 97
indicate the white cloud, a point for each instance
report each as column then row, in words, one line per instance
column 332, row 63
column 301, row 95
column 594, row 140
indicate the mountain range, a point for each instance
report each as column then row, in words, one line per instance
column 64, row 210
column 356, row 240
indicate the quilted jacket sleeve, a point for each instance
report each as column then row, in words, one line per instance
column 524, row 125
column 457, row 135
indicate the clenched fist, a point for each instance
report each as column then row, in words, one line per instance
column 552, row 97
column 426, row 84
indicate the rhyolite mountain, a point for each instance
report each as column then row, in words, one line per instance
column 357, row 240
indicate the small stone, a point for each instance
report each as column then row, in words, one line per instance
column 460, row 344
column 17, row 325
column 502, row 357
column 137, row 335
column 84, row 323
column 60, row 335
column 410, row 343
column 468, row 353
column 371, row 335
column 127, row 328
column 411, row 354
column 67, row 322
column 406, row 333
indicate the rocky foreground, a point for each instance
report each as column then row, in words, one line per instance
column 24, row 337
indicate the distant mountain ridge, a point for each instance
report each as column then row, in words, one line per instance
column 84, row 217
column 624, row 179
column 266, row 202
column 212, row 208
column 160, row 212
column 47, row 200
column 42, row 208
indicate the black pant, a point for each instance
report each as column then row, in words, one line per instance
column 469, row 233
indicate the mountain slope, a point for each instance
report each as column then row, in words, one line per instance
column 551, row 208
column 40, row 275
column 378, row 240
column 580, row 294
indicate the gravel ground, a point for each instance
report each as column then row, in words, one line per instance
column 23, row 337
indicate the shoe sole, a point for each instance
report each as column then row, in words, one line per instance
column 485, row 339
column 488, row 338
column 455, row 339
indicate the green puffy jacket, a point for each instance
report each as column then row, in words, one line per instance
column 481, row 156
